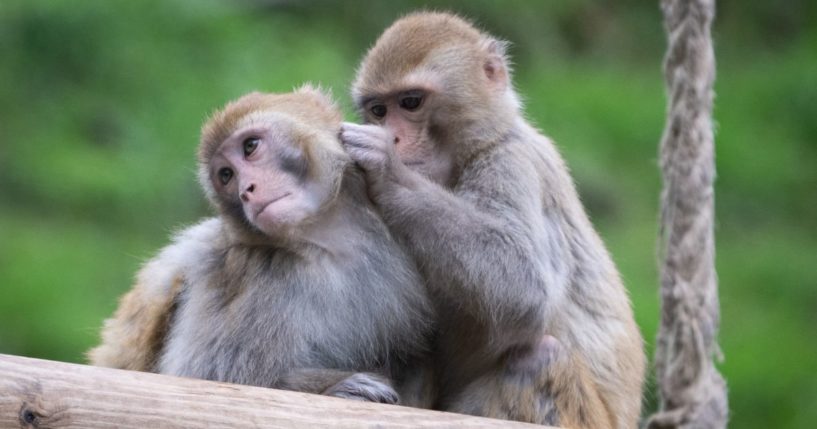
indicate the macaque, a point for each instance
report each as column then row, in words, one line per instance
column 534, row 322
column 296, row 284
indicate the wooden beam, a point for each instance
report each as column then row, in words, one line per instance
column 40, row 393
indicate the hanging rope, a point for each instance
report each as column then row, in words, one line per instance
column 692, row 392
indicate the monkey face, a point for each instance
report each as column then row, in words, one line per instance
column 406, row 114
column 260, row 174
column 440, row 86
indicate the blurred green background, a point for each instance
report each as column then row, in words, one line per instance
column 101, row 103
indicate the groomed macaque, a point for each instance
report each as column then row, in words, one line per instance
column 297, row 284
column 534, row 322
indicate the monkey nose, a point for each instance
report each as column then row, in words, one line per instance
column 245, row 196
column 396, row 140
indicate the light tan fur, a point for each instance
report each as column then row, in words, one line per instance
column 535, row 324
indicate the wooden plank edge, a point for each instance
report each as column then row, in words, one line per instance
column 41, row 393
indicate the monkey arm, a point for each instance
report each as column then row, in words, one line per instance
column 488, row 246
column 489, row 242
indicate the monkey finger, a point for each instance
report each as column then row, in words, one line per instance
column 375, row 132
column 352, row 142
column 344, row 126
column 348, row 135
column 362, row 128
column 363, row 147
column 353, row 132
column 369, row 160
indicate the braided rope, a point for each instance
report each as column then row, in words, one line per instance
column 692, row 392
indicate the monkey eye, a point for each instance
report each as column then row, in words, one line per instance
column 250, row 144
column 378, row 110
column 224, row 175
column 411, row 102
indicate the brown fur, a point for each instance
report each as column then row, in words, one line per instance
column 133, row 338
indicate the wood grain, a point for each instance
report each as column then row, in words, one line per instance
column 37, row 393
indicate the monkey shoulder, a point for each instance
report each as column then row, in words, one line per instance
column 183, row 257
column 511, row 162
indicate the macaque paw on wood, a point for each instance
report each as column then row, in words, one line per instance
column 364, row 387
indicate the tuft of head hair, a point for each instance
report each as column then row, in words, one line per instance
column 411, row 41
column 309, row 105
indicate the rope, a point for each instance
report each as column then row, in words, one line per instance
column 692, row 392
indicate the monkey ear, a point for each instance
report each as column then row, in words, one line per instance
column 496, row 64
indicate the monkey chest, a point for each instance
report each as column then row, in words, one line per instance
column 252, row 332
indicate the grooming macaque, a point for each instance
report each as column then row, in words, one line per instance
column 297, row 284
column 534, row 322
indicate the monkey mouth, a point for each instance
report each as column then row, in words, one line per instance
column 271, row 202
column 413, row 163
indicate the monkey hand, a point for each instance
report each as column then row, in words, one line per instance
column 369, row 145
column 364, row 387
column 372, row 148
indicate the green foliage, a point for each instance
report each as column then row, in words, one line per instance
column 102, row 102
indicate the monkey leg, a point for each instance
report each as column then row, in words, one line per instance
column 542, row 384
